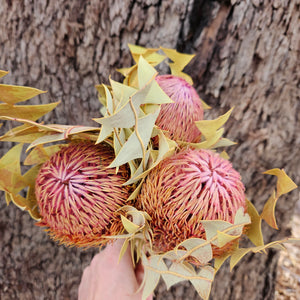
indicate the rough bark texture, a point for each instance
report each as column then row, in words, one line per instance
column 247, row 55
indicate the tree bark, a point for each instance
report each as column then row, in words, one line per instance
column 247, row 55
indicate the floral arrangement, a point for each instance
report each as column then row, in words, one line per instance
column 151, row 175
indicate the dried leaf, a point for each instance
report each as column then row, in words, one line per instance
column 284, row 185
column 12, row 94
column 209, row 128
column 253, row 230
column 129, row 226
column 11, row 179
column 180, row 60
column 3, row 73
column 151, row 276
column 133, row 149
column 41, row 154
column 204, row 281
column 30, row 112
column 198, row 248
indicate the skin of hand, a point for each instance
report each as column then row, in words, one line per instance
column 108, row 279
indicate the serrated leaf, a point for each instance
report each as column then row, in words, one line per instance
column 49, row 138
column 180, row 60
column 199, row 249
column 133, row 149
column 253, row 230
column 219, row 261
column 224, row 142
column 12, row 94
column 215, row 228
column 171, row 277
column 148, row 53
column 205, row 105
column 284, row 183
column 125, row 117
column 224, row 155
column 152, row 275
column 224, row 238
column 41, row 154
column 203, row 285
column 208, row 128
column 121, row 92
column 146, row 72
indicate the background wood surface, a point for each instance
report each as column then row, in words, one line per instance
column 247, row 56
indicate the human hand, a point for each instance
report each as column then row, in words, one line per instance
column 108, row 279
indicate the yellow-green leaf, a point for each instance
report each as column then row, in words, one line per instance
column 268, row 213
column 253, row 230
column 41, row 154
column 129, row 226
column 3, row 73
column 12, row 94
column 284, row 183
column 224, row 238
column 11, row 179
column 209, row 127
column 180, row 60
column 30, row 112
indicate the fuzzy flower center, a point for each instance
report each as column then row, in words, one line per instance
column 191, row 186
column 78, row 195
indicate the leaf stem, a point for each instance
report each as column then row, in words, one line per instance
column 137, row 133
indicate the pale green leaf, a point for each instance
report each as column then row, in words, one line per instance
column 133, row 149
column 49, row 138
column 224, row 238
column 203, row 284
column 153, row 266
column 146, row 72
column 121, row 92
column 172, row 277
column 198, row 248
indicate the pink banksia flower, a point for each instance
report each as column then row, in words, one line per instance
column 78, row 196
column 178, row 118
column 186, row 188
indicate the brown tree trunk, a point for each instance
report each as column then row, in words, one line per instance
column 247, row 55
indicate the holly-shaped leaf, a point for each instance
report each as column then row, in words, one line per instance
column 284, row 185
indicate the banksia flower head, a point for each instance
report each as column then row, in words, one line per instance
column 186, row 188
column 78, row 195
column 178, row 118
